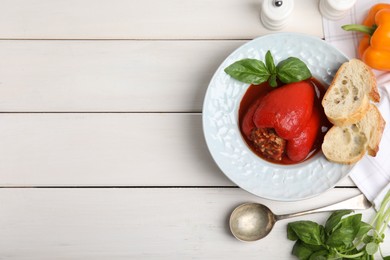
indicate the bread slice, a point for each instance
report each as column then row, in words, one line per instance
column 373, row 125
column 348, row 97
column 348, row 144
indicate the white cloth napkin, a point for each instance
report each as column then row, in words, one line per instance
column 371, row 174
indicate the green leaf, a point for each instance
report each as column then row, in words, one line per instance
column 334, row 220
column 363, row 230
column 346, row 232
column 291, row 235
column 304, row 251
column 301, row 251
column 269, row 62
column 372, row 248
column 249, row 71
column 346, row 237
column 307, row 231
column 292, row 70
column 254, row 71
column 319, row 255
column 353, row 221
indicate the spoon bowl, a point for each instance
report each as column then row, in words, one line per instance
column 253, row 221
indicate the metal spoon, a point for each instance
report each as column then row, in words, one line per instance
column 253, row 221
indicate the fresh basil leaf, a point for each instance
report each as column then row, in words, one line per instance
column 308, row 231
column 363, row 230
column 319, row 255
column 353, row 221
column 334, row 220
column 249, row 71
column 269, row 62
column 345, row 234
column 292, row 70
column 372, row 248
column 348, row 238
column 301, row 250
column 291, row 235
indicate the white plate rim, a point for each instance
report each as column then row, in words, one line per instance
column 249, row 174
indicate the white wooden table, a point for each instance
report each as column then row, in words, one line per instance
column 102, row 154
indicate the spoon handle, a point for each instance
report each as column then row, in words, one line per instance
column 357, row 202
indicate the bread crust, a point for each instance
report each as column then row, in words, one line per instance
column 378, row 132
column 362, row 125
column 372, row 94
column 371, row 128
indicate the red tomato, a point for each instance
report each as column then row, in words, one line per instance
column 299, row 147
column 287, row 109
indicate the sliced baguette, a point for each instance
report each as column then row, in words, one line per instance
column 373, row 125
column 348, row 144
column 348, row 97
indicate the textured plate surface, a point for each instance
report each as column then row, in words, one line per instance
column 226, row 145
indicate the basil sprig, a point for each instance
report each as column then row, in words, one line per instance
column 344, row 236
column 253, row 71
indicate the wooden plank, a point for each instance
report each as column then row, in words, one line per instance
column 77, row 76
column 148, row 19
column 142, row 224
column 162, row 149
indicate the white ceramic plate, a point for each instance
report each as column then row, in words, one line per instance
column 220, row 123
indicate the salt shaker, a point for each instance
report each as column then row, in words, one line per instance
column 275, row 14
column 335, row 9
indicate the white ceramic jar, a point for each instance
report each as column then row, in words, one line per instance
column 276, row 14
column 335, row 9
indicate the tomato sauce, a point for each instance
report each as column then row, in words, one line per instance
column 256, row 92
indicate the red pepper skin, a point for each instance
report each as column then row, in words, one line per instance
column 287, row 109
column 298, row 148
column 247, row 124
